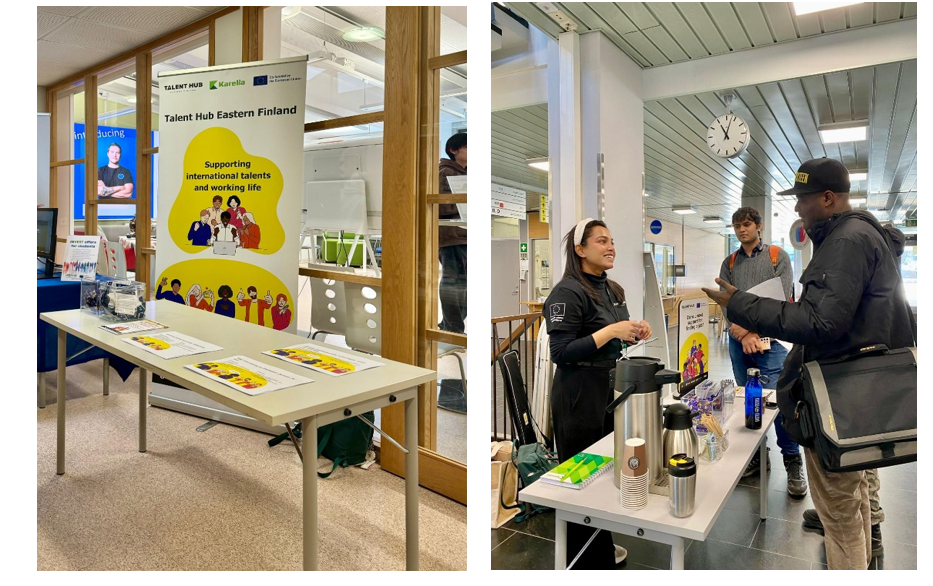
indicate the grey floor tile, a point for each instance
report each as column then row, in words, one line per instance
column 897, row 501
column 783, row 506
column 736, row 527
column 627, row 565
column 790, row 539
column 903, row 477
column 745, row 499
column 645, row 552
column 539, row 525
column 899, row 529
column 500, row 535
column 717, row 555
column 898, row 557
column 524, row 552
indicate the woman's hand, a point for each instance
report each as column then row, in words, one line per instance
column 645, row 330
column 625, row 330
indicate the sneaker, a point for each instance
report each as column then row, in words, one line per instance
column 796, row 483
column 621, row 554
column 754, row 467
column 811, row 520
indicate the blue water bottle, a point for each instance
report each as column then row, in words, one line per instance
column 753, row 402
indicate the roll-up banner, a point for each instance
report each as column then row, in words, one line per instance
column 230, row 189
column 693, row 341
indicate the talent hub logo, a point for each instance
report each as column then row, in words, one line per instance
column 216, row 85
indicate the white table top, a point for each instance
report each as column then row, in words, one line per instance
column 715, row 482
column 237, row 337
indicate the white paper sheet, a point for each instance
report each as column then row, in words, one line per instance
column 322, row 359
column 770, row 289
column 133, row 327
column 170, row 345
column 246, row 375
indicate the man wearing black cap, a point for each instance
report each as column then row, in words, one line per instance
column 851, row 299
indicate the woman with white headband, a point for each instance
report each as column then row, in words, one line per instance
column 588, row 322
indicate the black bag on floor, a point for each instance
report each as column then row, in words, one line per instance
column 860, row 411
column 345, row 442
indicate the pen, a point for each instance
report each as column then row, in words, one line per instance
column 574, row 469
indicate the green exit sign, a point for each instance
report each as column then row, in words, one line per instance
column 910, row 223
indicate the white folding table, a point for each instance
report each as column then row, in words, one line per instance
column 599, row 505
column 326, row 400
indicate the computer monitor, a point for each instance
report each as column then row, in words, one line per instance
column 46, row 239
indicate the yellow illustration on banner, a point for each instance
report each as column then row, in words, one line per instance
column 315, row 359
column 694, row 357
column 228, row 202
column 151, row 343
column 233, row 374
column 232, row 288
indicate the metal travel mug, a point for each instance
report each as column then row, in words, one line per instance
column 682, row 484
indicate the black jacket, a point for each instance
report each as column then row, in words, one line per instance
column 449, row 235
column 852, row 297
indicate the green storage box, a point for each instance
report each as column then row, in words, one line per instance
column 336, row 251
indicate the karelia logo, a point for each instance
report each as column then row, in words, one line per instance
column 215, row 85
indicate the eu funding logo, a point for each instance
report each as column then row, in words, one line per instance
column 216, row 85
column 261, row 80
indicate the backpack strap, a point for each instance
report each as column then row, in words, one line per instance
column 774, row 251
column 342, row 462
column 323, row 441
column 732, row 261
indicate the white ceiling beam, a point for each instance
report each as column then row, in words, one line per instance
column 850, row 49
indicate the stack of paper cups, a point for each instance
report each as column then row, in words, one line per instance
column 633, row 484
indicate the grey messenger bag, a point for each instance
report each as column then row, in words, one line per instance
column 860, row 410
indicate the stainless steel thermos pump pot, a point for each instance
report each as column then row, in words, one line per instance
column 678, row 436
column 636, row 409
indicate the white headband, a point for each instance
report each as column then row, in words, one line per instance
column 579, row 230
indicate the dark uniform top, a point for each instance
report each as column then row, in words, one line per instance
column 572, row 317
column 581, row 390
column 114, row 177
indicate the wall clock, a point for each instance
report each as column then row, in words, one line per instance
column 728, row 135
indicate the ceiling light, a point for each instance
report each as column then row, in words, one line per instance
column 858, row 174
column 683, row 210
column 540, row 163
column 364, row 34
column 131, row 100
column 290, row 11
column 801, row 8
column 712, row 219
column 844, row 132
column 858, row 199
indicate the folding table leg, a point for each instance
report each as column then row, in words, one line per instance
column 143, row 403
column 677, row 553
column 763, row 480
column 62, row 361
column 411, row 485
column 106, row 376
column 560, row 544
column 309, row 493
column 42, row 390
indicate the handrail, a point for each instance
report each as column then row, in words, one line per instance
column 499, row 320
column 528, row 321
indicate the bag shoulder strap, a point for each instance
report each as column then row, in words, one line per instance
column 732, row 260
column 324, row 440
column 774, row 251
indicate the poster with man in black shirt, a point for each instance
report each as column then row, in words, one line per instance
column 113, row 180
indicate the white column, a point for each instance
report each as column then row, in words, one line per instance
column 763, row 205
column 272, row 32
column 613, row 124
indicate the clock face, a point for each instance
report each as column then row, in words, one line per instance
column 728, row 136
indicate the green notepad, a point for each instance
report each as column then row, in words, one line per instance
column 578, row 471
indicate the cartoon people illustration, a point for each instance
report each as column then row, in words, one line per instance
column 214, row 212
column 200, row 232
column 224, row 306
column 225, row 232
column 170, row 295
column 249, row 233
column 253, row 300
column 236, row 212
column 281, row 314
column 699, row 358
column 199, row 300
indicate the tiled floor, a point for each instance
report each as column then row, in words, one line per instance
column 739, row 539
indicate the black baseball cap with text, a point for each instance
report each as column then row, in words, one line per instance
column 817, row 175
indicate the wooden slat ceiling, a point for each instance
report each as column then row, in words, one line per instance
column 660, row 33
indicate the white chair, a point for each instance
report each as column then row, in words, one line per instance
column 364, row 318
column 328, row 307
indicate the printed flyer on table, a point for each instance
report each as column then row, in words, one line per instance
column 247, row 375
column 326, row 360
column 170, row 345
